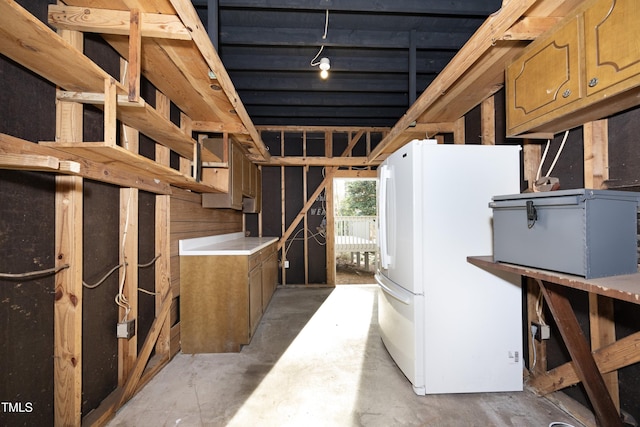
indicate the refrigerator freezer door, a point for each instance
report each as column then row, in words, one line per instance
column 401, row 329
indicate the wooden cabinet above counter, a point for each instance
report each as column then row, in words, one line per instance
column 585, row 68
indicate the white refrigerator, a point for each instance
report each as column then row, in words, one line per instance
column 451, row 327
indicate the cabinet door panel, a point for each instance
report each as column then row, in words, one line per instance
column 612, row 37
column 545, row 78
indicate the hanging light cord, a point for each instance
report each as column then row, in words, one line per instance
column 324, row 37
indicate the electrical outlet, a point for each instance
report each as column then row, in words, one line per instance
column 540, row 332
column 286, row 264
column 126, row 330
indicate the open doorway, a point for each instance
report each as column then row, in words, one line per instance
column 355, row 230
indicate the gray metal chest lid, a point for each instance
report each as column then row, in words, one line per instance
column 574, row 196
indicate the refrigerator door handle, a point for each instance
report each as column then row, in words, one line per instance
column 393, row 290
column 385, row 258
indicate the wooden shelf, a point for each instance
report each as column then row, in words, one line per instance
column 624, row 288
column 101, row 152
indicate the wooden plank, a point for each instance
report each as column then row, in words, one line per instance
column 135, row 52
column 106, row 154
column 586, row 368
column 330, row 233
column 104, row 21
column 110, row 103
column 29, row 162
column 95, row 98
column 88, row 169
column 68, row 302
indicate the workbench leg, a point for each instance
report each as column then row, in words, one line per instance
column 578, row 347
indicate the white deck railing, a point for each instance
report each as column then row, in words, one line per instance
column 355, row 234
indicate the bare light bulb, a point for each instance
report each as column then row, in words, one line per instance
column 324, row 65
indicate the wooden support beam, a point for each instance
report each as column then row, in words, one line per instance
column 532, row 156
column 614, row 356
column 162, row 238
column 110, row 113
column 488, row 121
column 34, row 162
column 530, row 27
column 135, row 53
column 601, row 313
column 105, row 21
column 219, row 127
column 68, row 302
column 584, row 364
column 128, row 348
column 94, row 98
column 314, row 161
column 459, row 136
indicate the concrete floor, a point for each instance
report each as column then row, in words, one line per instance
column 316, row 360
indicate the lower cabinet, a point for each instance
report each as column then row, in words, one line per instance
column 223, row 297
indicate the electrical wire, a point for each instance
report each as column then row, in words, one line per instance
column 324, row 37
column 101, row 281
column 120, row 298
column 544, row 156
column 33, row 274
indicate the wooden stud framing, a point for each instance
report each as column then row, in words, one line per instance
column 68, row 303
column 459, row 136
column 68, row 283
column 488, row 121
column 163, row 264
column 128, row 348
column 601, row 312
column 135, row 52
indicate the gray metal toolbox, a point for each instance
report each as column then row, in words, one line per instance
column 589, row 233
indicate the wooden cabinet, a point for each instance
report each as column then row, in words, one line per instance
column 586, row 68
column 241, row 180
column 612, row 34
column 545, row 79
column 223, row 298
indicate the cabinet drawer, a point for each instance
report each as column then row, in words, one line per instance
column 254, row 260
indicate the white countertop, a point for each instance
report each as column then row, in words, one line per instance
column 224, row 244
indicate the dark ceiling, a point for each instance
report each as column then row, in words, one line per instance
column 381, row 51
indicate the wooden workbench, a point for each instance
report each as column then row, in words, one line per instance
column 553, row 286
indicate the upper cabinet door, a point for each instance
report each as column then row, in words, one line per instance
column 612, row 37
column 546, row 77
